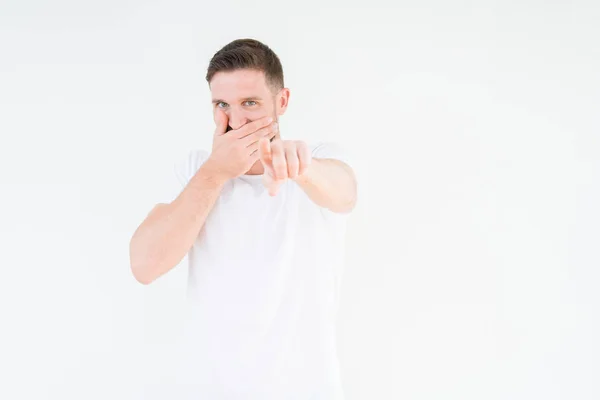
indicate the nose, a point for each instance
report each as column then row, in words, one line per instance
column 237, row 119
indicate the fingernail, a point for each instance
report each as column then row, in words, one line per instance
column 270, row 119
column 275, row 126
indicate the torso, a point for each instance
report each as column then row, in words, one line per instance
column 263, row 285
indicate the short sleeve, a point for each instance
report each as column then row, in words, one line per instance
column 334, row 151
column 184, row 169
column 331, row 150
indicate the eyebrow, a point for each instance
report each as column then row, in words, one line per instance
column 215, row 101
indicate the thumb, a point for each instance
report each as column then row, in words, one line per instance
column 266, row 156
column 264, row 151
column 222, row 121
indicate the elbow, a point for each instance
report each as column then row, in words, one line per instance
column 141, row 275
column 341, row 206
column 347, row 206
column 344, row 208
column 140, row 268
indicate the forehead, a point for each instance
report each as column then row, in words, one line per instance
column 238, row 84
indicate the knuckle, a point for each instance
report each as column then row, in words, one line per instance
column 257, row 134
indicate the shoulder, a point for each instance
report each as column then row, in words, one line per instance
column 331, row 150
column 324, row 147
column 336, row 151
column 188, row 163
column 328, row 150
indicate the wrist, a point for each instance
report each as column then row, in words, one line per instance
column 308, row 173
column 211, row 172
column 301, row 179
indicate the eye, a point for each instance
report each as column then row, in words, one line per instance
column 251, row 101
column 221, row 102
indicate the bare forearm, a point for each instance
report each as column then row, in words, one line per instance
column 169, row 231
column 330, row 183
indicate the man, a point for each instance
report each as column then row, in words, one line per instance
column 262, row 220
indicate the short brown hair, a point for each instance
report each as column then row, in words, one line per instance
column 247, row 54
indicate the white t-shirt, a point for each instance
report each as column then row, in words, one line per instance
column 263, row 291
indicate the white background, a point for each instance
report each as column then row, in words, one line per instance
column 473, row 261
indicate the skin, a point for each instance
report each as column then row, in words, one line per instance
column 244, row 142
column 244, row 96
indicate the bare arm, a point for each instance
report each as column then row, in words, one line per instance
column 169, row 231
column 329, row 183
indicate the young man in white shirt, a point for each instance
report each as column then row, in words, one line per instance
column 262, row 220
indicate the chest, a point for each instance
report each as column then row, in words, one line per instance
column 247, row 222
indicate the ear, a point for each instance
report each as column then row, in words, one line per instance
column 282, row 100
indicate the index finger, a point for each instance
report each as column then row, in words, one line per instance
column 251, row 127
column 222, row 121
